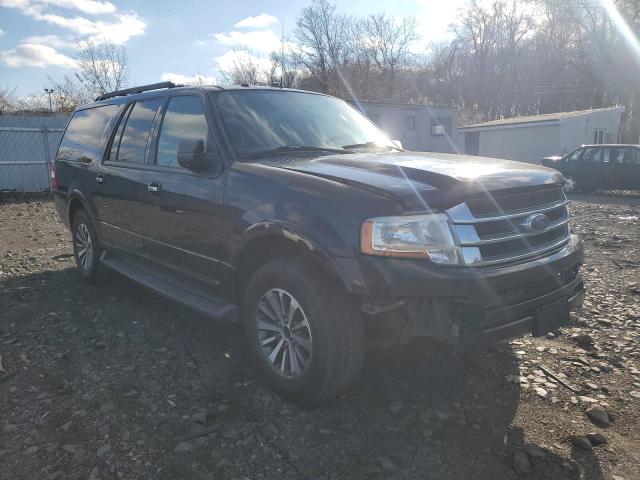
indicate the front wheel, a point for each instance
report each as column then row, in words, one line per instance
column 570, row 184
column 304, row 334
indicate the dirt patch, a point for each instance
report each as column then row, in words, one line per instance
column 114, row 382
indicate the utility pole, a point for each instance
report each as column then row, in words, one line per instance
column 49, row 91
column 282, row 60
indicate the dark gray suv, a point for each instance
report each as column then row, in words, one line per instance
column 291, row 213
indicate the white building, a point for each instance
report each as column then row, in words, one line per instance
column 529, row 139
column 423, row 128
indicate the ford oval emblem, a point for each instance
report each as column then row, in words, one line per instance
column 536, row 222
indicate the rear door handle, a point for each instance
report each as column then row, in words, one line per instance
column 154, row 187
column 100, row 179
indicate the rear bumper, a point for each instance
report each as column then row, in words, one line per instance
column 465, row 305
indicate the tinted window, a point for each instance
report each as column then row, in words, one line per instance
column 625, row 155
column 591, row 155
column 183, row 120
column 130, row 147
column 86, row 135
column 573, row 157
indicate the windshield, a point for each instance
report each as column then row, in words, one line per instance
column 263, row 120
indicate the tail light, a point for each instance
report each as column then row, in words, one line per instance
column 52, row 175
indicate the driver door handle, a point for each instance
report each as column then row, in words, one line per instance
column 100, row 179
column 154, row 187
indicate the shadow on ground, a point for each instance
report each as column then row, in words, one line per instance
column 107, row 379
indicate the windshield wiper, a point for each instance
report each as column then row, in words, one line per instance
column 291, row 148
column 368, row 145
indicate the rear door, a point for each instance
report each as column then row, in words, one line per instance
column 625, row 167
column 119, row 189
column 183, row 214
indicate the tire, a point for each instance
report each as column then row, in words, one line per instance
column 329, row 348
column 86, row 248
column 570, row 185
column 577, row 185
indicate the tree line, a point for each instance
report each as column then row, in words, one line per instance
column 503, row 59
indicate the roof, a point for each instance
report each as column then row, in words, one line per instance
column 161, row 91
column 404, row 105
column 548, row 117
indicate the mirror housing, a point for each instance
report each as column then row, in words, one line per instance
column 191, row 155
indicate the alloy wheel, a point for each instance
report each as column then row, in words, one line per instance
column 569, row 184
column 284, row 334
column 84, row 247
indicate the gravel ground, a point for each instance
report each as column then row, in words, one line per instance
column 113, row 382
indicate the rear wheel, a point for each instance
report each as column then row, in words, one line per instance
column 86, row 247
column 304, row 334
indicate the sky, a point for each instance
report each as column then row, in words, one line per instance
column 169, row 40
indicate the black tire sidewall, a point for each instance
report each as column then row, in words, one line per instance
column 91, row 273
column 290, row 276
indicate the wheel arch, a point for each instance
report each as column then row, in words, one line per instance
column 267, row 241
column 77, row 201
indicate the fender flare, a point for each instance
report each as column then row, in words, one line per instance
column 76, row 194
column 345, row 269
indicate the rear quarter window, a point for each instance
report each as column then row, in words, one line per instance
column 86, row 135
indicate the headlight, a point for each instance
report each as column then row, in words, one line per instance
column 418, row 236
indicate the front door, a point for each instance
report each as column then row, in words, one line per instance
column 119, row 188
column 595, row 168
column 182, row 226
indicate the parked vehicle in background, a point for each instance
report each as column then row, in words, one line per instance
column 292, row 213
column 599, row 167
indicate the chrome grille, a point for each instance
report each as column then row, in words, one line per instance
column 508, row 227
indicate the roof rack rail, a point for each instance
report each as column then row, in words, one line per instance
column 140, row 89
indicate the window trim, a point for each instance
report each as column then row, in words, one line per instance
column 104, row 137
column 129, row 108
column 157, row 130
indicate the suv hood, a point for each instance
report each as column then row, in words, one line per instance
column 439, row 179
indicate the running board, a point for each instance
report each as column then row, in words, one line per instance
column 182, row 291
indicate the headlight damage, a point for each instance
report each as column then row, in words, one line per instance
column 418, row 236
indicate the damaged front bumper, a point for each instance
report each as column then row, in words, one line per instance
column 470, row 306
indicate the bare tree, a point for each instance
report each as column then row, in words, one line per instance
column 102, row 67
column 245, row 69
column 323, row 40
column 388, row 41
column 7, row 99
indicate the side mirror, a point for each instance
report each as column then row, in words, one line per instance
column 191, row 155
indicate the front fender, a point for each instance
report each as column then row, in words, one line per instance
column 281, row 229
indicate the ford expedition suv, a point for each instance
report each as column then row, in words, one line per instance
column 293, row 214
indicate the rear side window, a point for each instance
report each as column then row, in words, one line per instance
column 625, row 156
column 130, row 142
column 86, row 134
column 183, row 120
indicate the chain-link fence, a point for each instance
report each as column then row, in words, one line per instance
column 27, row 146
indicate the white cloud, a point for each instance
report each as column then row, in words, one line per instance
column 2, row 32
column 226, row 61
column 196, row 79
column 91, row 7
column 32, row 55
column 54, row 41
column 32, row 7
column 199, row 43
column 259, row 21
column 257, row 40
column 119, row 28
